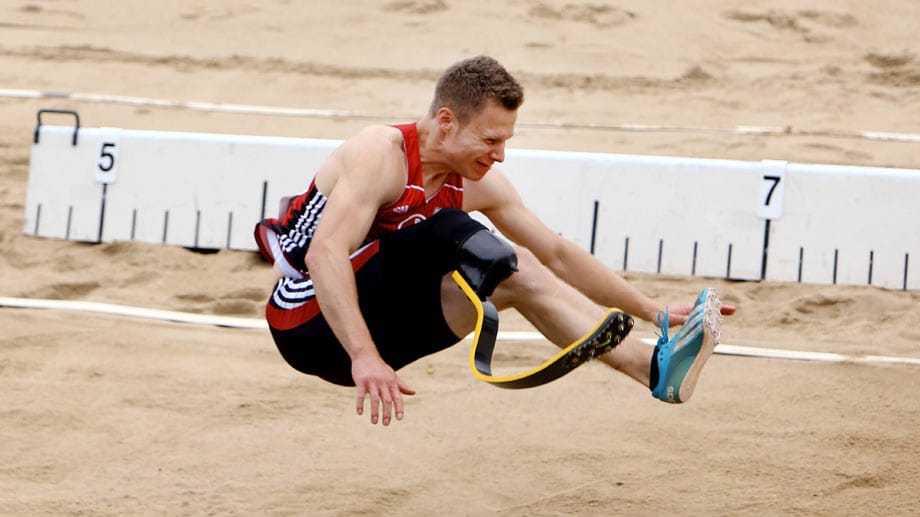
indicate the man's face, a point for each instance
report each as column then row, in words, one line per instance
column 481, row 142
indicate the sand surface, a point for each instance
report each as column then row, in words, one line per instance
column 108, row 415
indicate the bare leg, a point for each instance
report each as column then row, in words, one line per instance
column 559, row 311
column 632, row 357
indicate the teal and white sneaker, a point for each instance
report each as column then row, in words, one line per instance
column 677, row 362
column 702, row 297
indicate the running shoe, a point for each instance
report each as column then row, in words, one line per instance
column 679, row 360
column 700, row 298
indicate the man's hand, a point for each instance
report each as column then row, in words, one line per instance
column 374, row 377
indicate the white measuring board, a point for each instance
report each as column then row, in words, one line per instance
column 848, row 225
column 186, row 189
column 680, row 216
column 655, row 214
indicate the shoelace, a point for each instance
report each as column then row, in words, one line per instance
column 663, row 326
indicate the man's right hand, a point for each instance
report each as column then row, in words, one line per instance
column 374, row 377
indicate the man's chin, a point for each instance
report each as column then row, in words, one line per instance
column 482, row 170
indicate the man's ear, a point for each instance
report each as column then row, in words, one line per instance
column 446, row 119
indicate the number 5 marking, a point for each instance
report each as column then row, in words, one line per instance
column 106, row 158
column 106, row 166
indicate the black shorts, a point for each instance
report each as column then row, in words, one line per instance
column 399, row 292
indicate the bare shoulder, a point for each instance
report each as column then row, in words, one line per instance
column 374, row 139
column 373, row 158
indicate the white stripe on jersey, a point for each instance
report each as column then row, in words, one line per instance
column 302, row 230
column 291, row 293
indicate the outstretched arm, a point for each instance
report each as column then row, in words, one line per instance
column 497, row 198
column 364, row 174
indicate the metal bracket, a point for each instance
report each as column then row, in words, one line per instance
column 76, row 128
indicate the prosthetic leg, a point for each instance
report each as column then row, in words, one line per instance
column 484, row 261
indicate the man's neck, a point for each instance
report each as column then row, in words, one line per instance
column 435, row 168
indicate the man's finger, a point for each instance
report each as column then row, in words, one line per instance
column 375, row 403
column 387, row 406
column 404, row 388
column 359, row 407
column 675, row 319
column 398, row 403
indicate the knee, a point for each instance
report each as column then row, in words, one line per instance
column 531, row 278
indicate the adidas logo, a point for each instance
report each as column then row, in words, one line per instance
column 401, row 209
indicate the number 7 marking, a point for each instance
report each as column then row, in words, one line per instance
column 775, row 180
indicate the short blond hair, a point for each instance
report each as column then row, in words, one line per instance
column 466, row 86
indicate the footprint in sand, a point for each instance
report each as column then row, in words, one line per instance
column 236, row 307
column 835, row 152
column 38, row 9
column 239, row 302
column 802, row 22
column 889, row 60
column 899, row 70
column 821, row 304
column 829, row 19
column 65, row 290
column 417, row 6
column 599, row 15
column 194, row 298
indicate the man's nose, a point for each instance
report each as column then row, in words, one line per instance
column 498, row 154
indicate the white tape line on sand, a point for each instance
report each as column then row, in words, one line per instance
column 751, row 351
column 244, row 109
column 251, row 323
column 136, row 312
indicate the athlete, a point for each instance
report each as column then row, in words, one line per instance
column 366, row 253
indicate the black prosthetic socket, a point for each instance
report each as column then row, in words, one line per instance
column 447, row 241
column 485, row 260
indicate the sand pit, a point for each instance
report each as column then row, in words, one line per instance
column 118, row 415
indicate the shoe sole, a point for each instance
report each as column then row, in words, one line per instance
column 609, row 333
column 712, row 335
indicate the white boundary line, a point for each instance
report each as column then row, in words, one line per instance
column 136, row 312
column 251, row 323
column 344, row 114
